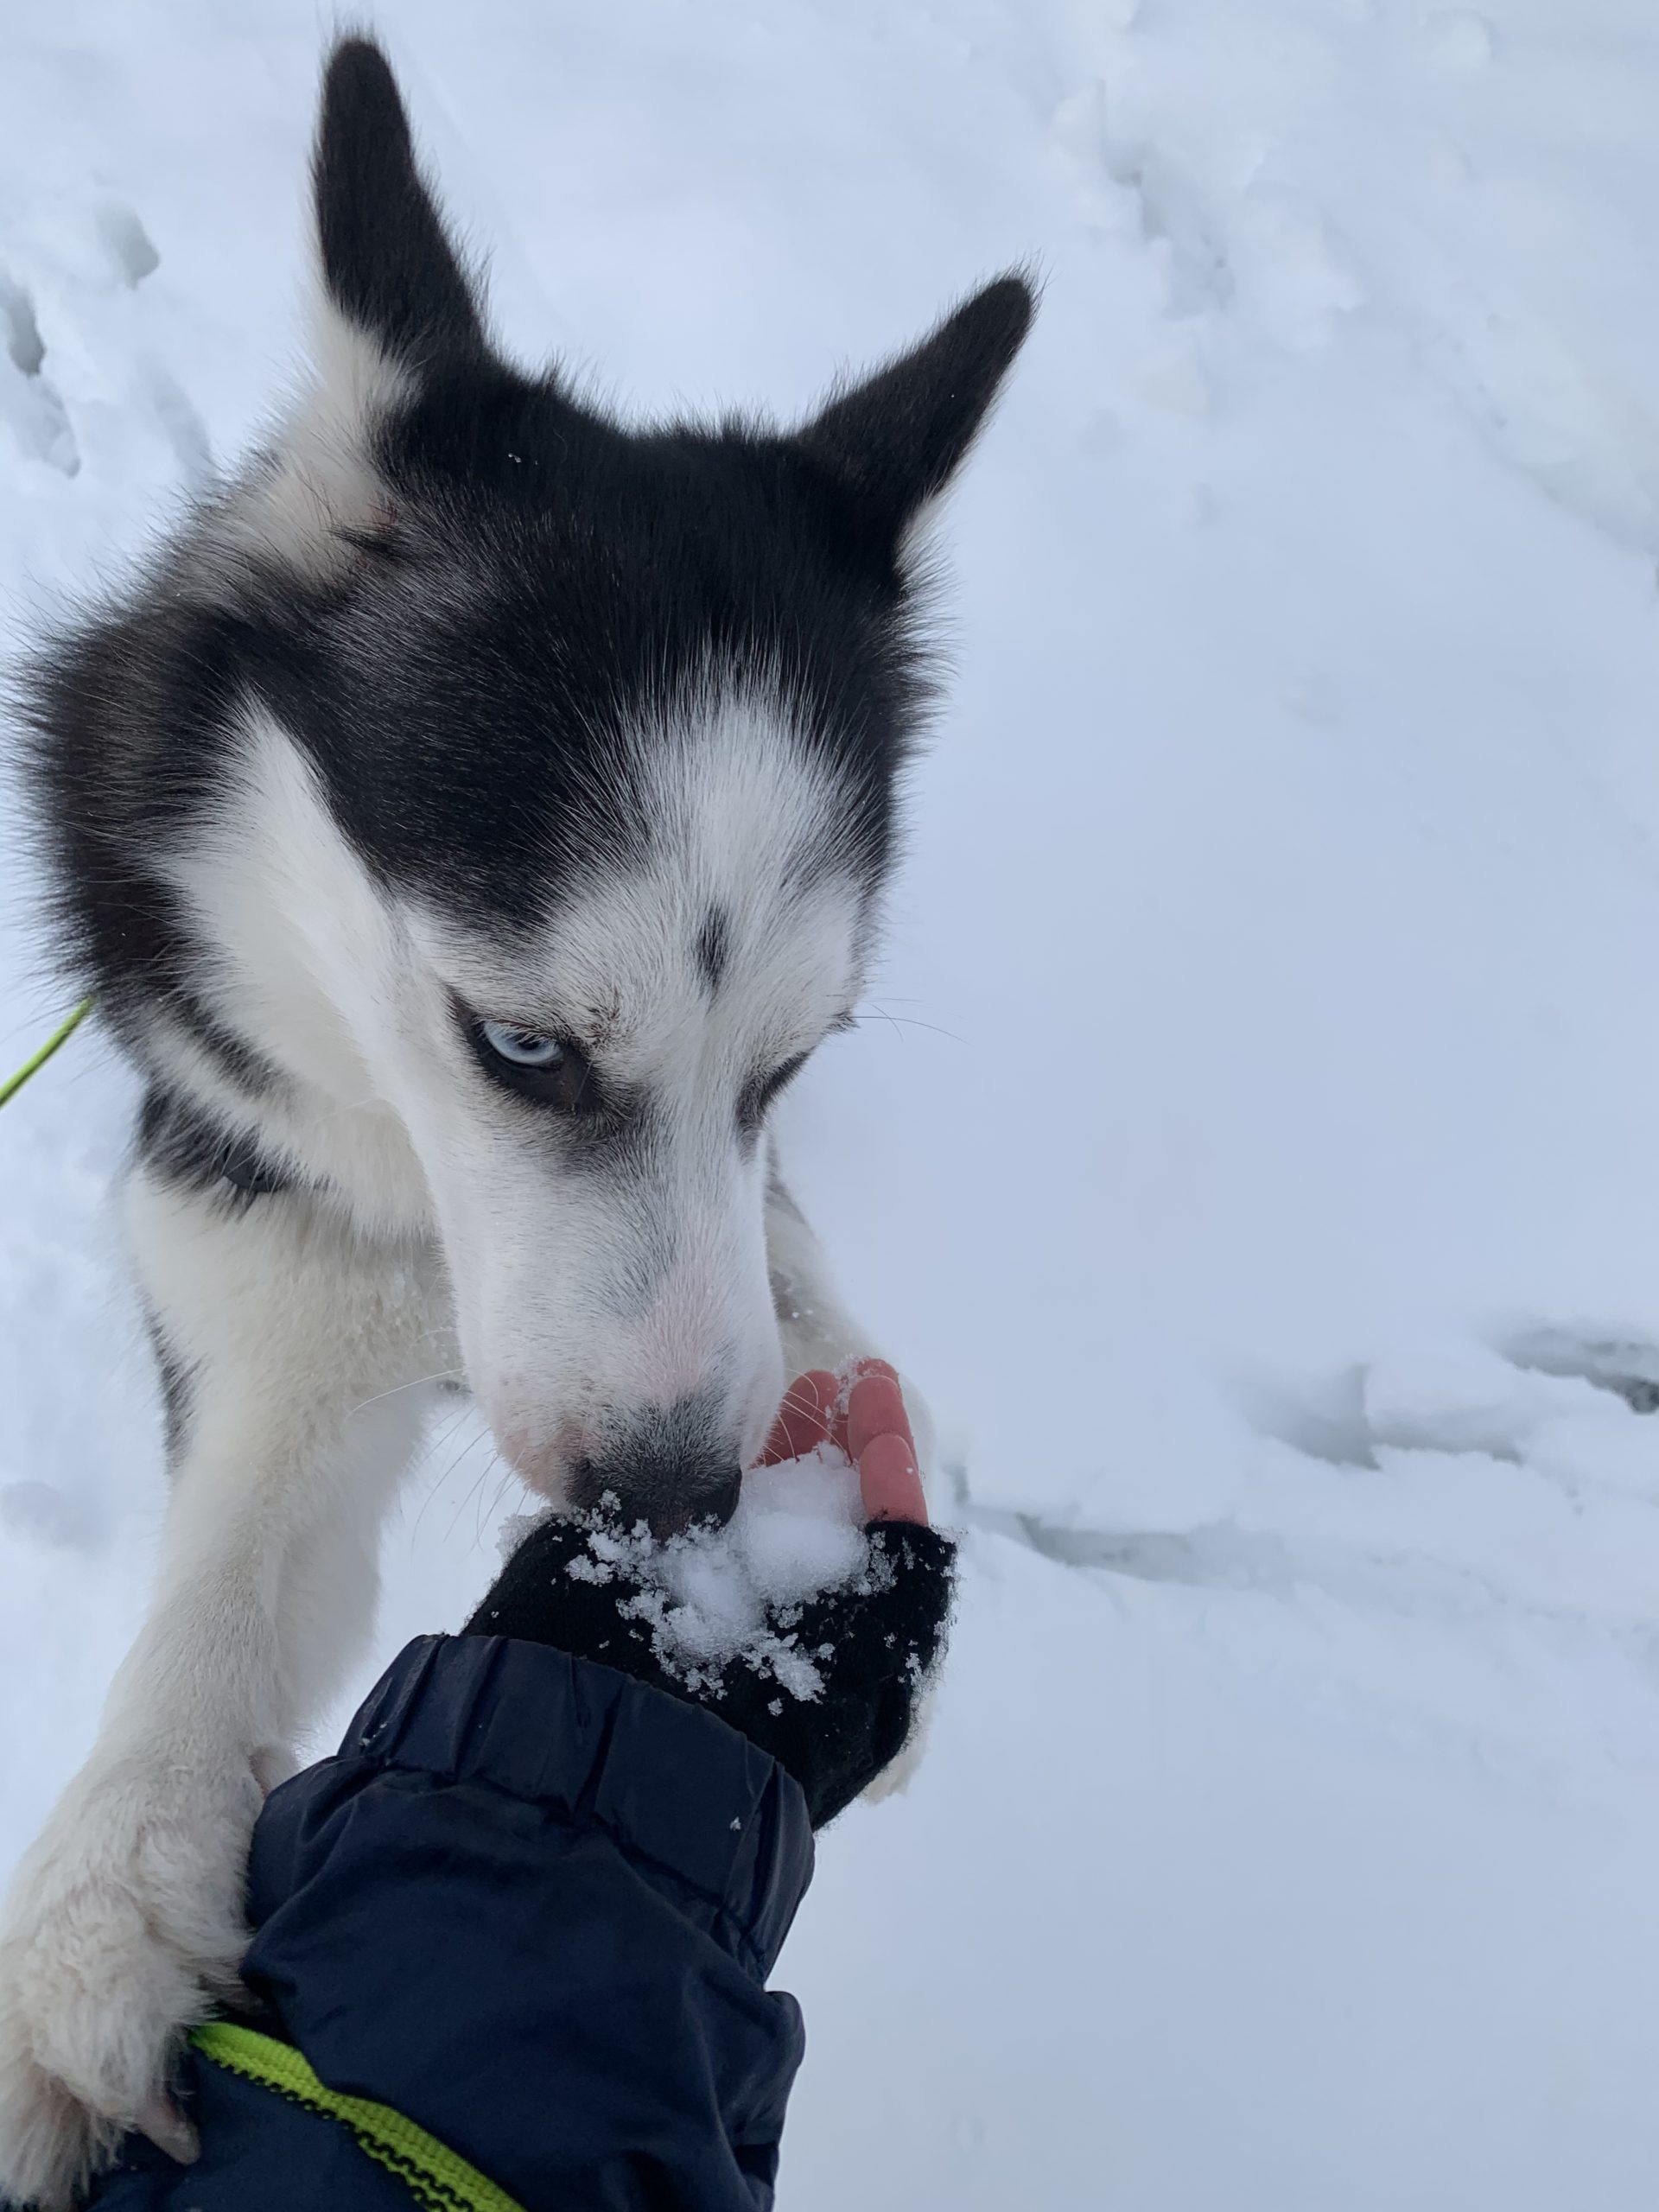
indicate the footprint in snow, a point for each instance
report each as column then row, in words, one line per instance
column 127, row 243
column 97, row 361
column 30, row 401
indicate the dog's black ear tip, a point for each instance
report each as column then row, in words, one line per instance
column 987, row 331
column 386, row 260
column 359, row 94
column 357, row 63
column 362, row 123
column 896, row 437
column 982, row 335
column 1005, row 308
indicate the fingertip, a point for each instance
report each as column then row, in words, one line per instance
column 890, row 1482
column 875, row 1406
column 880, row 1370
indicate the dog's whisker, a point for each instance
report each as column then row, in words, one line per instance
column 497, row 1500
column 477, row 1483
column 791, row 1403
column 454, row 1465
column 436, row 1483
column 416, row 1382
column 909, row 1021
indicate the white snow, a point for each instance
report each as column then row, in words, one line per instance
column 1252, row 1145
column 716, row 1599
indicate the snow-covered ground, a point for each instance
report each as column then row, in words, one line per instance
column 1252, row 1144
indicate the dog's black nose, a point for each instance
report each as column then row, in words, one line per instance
column 666, row 1469
column 689, row 1500
column 716, row 1507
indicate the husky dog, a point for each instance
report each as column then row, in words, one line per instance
column 476, row 817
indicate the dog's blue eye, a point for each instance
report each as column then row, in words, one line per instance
column 521, row 1048
column 544, row 1069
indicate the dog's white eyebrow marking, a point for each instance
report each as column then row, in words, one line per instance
column 732, row 933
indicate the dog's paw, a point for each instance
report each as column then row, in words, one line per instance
column 124, row 1928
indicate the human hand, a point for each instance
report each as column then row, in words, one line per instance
column 866, row 1422
column 872, row 1640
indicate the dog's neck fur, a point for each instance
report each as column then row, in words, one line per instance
column 305, row 958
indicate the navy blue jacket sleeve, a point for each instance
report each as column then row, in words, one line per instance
column 531, row 1905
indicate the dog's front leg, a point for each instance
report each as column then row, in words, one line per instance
column 818, row 1331
column 289, row 1345
column 815, row 1326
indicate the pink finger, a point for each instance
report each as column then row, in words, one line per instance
column 804, row 1418
column 875, row 1407
column 890, row 1482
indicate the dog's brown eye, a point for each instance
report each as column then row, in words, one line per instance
column 545, row 1069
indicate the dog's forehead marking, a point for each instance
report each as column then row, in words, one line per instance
column 738, row 912
column 714, row 946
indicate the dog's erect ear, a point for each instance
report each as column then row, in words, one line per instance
column 897, row 437
column 393, row 307
column 386, row 263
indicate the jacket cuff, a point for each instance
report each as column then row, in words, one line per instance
column 695, row 1805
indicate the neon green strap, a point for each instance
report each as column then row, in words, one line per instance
column 434, row 2178
column 64, row 1030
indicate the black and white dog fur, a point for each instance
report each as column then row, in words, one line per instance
column 470, row 823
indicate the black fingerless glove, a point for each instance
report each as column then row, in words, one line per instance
column 871, row 1643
